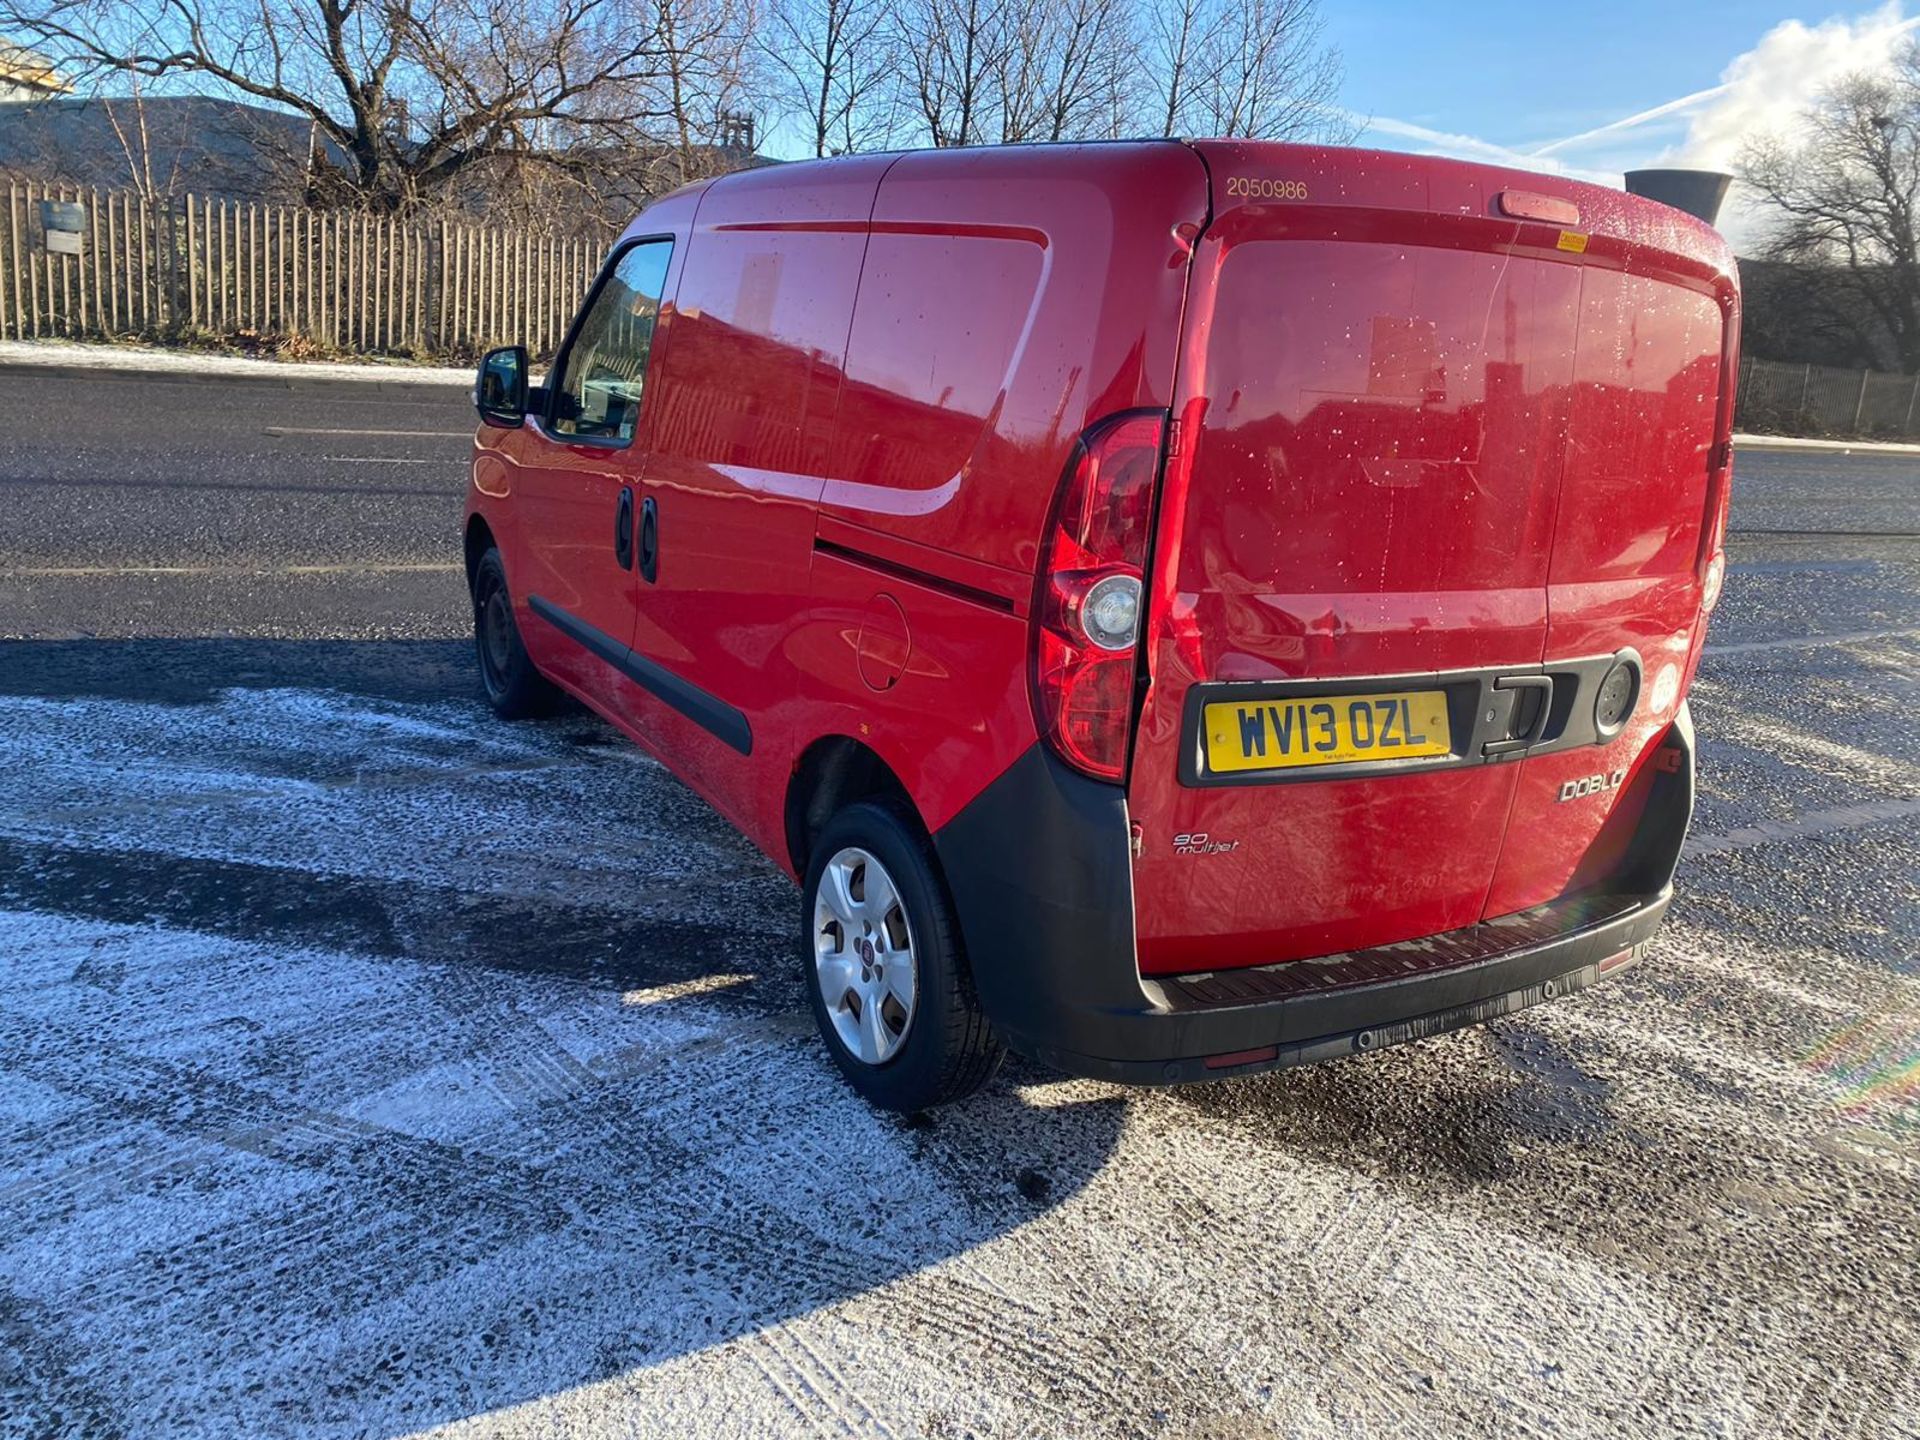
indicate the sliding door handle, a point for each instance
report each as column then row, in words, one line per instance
column 623, row 530
column 649, row 540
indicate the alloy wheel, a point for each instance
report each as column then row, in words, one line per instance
column 863, row 955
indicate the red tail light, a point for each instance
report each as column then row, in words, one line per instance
column 1719, row 500
column 1713, row 539
column 1087, row 616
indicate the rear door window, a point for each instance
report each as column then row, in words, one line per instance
column 601, row 378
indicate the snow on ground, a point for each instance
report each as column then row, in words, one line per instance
column 159, row 360
column 370, row 1067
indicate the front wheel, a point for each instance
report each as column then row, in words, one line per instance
column 514, row 688
column 886, row 971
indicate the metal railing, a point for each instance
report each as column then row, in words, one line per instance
column 1776, row 398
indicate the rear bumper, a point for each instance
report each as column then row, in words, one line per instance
column 1172, row 1040
column 1041, row 876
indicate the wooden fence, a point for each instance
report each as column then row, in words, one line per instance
column 122, row 266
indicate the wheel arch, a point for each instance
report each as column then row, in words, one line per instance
column 832, row 773
column 479, row 539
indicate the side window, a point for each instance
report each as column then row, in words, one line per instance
column 599, row 388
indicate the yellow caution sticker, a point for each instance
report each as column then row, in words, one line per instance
column 1573, row 240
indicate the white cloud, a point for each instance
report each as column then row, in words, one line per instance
column 1766, row 90
column 1424, row 140
column 1762, row 91
column 1614, row 128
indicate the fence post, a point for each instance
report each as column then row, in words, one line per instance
column 73, row 294
column 117, row 267
column 1906, row 426
column 1860, row 405
column 93, row 257
column 160, row 231
column 153, row 299
column 436, row 297
column 175, row 257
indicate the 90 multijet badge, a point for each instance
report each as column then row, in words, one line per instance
column 1199, row 842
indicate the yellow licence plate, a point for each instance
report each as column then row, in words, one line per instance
column 1325, row 730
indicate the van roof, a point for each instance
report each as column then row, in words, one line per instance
column 1337, row 175
column 1389, row 179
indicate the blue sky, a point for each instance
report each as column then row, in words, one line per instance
column 1597, row 89
column 1681, row 82
column 1518, row 73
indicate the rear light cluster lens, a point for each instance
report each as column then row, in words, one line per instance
column 1715, row 581
column 1088, row 614
column 1110, row 612
column 1720, row 499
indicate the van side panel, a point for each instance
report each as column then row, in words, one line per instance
column 1008, row 299
column 747, row 397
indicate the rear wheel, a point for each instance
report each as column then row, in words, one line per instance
column 513, row 687
column 886, row 971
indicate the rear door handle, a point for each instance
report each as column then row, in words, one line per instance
column 649, row 540
column 1541, row 715
column 623, row 530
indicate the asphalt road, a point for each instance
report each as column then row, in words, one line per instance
column 190, row 506
column 368, row 1066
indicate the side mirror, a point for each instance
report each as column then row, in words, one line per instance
column 500, row 387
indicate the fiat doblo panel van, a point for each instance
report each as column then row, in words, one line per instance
column 1178, row 608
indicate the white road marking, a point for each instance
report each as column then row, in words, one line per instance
column 409, row 434
column 1813, row 752
column 1817, row 822
column 388, row 460
column 1810, row 642
column 89, row 572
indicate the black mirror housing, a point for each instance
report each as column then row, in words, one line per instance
column 500, row 386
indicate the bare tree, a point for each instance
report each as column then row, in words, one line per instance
column 1182, row 38
column 128, row 120
column 832, row 69
column 704, row 47
column 1844, row 199
column 413, row 93
column 955, row 49
column 1062, row 70
column 1258, row 68
column 1271, row 77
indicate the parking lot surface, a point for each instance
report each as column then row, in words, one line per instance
column 370, row 1067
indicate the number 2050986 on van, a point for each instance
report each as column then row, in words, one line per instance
column 1171, row 625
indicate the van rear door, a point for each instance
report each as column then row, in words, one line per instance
column 1357, row 523
column 1648, row 424
column 1421, row 447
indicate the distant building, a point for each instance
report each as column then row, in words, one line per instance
column 26, row 76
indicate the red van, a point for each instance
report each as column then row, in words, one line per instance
column 1178, row 608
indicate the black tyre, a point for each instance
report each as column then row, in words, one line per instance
column 513, row 687
column 886, row 970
